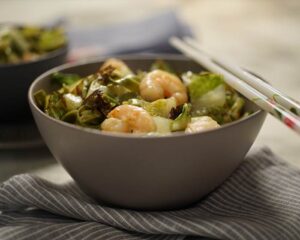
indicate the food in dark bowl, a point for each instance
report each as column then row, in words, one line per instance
column 158, row 101
column 25, row 53
column 28, row 43
column 148, row 171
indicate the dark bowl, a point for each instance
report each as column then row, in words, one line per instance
column 15, row 80
column 148, row 173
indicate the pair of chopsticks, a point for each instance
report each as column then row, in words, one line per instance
column 256, row 90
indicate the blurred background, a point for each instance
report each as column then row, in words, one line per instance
column 260, row 35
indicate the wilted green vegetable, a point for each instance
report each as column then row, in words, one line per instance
column 180, row 123
column 202, row 84
column 162, row 65
column 112, row 100
column 26, row 43
column 161, row 107
column 64, row 79
column 40, row 98
column 210, row 96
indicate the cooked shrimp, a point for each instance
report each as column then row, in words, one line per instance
column 115, row 125
column 128, row 118
column 199, row 124
column 120, row 67
column 160, row 84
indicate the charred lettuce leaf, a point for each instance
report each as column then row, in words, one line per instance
column 27, row 43
column 232, row 110
column 90, row 117
column 206, row 90
column 100, row 101
column 163, row 125
column 70, row 117
column 72, row 101
column 51, row 39
column 180, row 123
column 162, row 65
column 160, row 107
column 64, row 78
column 40, row 99
column 55, row 106
column 210, row 96
column 131, row 82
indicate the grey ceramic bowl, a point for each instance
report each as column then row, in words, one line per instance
column 148, row 173
column 15, row 80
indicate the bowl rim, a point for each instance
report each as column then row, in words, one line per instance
column 150, row 56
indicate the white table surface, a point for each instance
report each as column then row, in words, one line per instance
column 261, row 35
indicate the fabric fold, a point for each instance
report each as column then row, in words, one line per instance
column 148, row 35
column 260, row 200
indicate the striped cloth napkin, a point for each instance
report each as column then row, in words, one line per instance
column 261, row 200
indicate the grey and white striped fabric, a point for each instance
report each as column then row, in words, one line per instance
column 261, row 200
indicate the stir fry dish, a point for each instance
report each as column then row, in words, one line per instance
column 158, row 102
column 27, row 43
